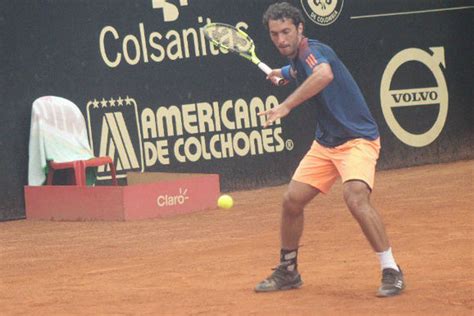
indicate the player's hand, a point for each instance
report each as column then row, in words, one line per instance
column 274, row 114
column 274, row 76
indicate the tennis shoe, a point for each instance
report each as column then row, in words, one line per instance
column 280, row 279
column 392, row 283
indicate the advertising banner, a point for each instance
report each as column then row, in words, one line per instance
column 157, row 96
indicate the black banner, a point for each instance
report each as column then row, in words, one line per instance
column 157, row 96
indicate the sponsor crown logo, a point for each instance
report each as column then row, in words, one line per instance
column 116, row 121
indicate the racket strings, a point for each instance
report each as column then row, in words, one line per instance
column 230, row 39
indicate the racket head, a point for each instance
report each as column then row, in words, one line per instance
column 231, row 38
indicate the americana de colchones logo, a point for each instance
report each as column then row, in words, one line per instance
column 408, row 107
column 114, row 131
column 322, row 12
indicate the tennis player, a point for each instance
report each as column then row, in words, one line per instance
column 346, row 145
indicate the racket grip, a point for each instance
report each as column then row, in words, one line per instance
column 276, row 80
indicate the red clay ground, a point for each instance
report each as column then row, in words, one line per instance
column 207, row 263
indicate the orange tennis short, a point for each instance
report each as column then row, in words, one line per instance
column 353, row 160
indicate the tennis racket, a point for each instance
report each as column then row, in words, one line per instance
column 237, row 41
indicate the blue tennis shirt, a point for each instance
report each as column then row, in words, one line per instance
column 342, row 113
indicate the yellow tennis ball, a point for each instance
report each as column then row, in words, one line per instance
column 225, row 201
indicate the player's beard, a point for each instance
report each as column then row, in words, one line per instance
column 289, row 50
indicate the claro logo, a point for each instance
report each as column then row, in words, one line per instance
column 436, row 95
column 173, row 200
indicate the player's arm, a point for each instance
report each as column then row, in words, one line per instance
column 320, row 78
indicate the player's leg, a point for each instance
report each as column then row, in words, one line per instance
column 314, row 174
column 356, row 164
column 357, row 197
column 286, row 275
column 292, row 216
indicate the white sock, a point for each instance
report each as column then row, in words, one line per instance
column 386, row 260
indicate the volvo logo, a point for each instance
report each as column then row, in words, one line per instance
column 410, row 97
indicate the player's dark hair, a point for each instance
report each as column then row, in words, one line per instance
column 282, row 11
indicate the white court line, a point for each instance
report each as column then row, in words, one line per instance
column 411, row 12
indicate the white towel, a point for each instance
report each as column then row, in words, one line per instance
column 58, row 132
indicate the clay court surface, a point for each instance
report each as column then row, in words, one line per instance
column 207, row 263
